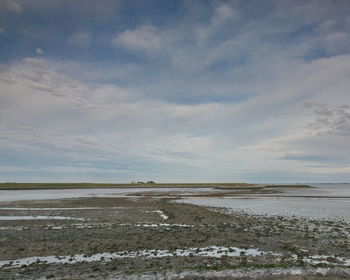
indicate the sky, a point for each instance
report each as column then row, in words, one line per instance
column 175, row 91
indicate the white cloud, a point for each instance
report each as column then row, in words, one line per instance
column 223, row 12
column 337, row 42
column 144, row 38
column 39, row 51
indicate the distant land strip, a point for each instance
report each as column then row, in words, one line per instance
column 34, row 186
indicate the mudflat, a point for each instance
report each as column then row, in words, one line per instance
column 151, row 236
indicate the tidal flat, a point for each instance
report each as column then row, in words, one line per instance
column 156, row 234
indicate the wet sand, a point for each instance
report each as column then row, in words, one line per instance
column 149, row 236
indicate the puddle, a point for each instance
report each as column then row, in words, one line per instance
column 213, row 251
column 157, row 225
column 313, row 208
column 81, row 226
column 59, row 209
column 14, row 218
column 43, row 194
column 161, row 214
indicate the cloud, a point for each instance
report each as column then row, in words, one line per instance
column 2, row 30
column 39, row 51
column 330, row 120
column 57, row 98
column 322, row 139
column 105, row 126
column 32, row 88
column 222, row 16
column 80, row 39
column 212, row 91
column 223, row 12
column 14, row 6
column 60, row 169
column 91, row 11
column 337, row 42
column 143, row 38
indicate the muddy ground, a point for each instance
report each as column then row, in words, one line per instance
column 289, row 248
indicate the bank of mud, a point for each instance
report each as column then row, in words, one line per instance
column 150, row 235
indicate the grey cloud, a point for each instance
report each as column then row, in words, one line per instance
column 212, row 98
column 326, row 149
column 324, row 140
column 108, row 128
column 90, row 10
column 14, row 6
column 324, row 159
column 56, row 127
column 80, row 39
column 331, row 120
column 35, row 74
column 313, row 11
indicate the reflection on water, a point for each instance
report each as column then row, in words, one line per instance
column 325, row 201
column 332, row 190
column 212, row 251
column 13, row 195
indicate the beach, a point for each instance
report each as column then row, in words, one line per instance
column 160, row 233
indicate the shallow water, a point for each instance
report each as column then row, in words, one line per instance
column 56, row 208
column 318, row 190
column 325, row 201
column 80, row 226
column 212, row 251
column 13, row 195
column 161, row 214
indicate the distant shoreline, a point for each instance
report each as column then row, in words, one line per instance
column 227, row 186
